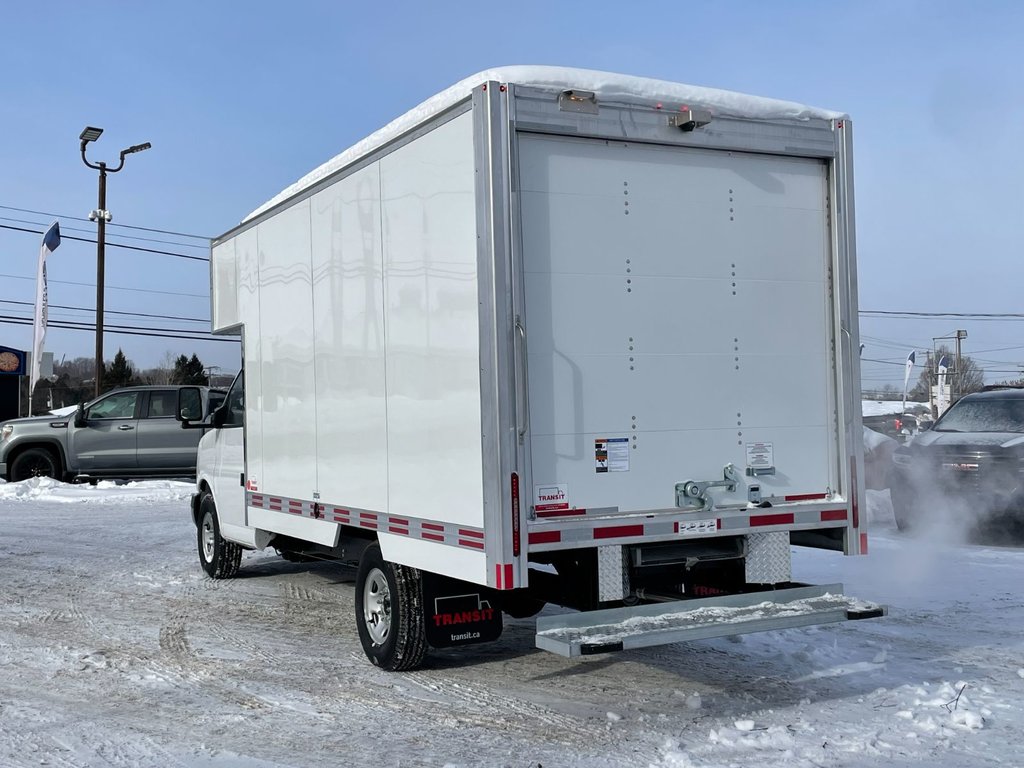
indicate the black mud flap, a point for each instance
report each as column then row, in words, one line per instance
column 458, row 613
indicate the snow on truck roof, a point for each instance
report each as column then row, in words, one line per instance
column 606, row 85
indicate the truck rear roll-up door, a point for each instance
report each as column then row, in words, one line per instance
column 679, row 319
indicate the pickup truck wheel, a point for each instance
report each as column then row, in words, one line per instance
column 219, row 558
column 34, row 462
column 389, row 612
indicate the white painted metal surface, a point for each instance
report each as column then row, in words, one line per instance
column 348, row 331
column 288, row 403
column 432, row 326
column 677, row 299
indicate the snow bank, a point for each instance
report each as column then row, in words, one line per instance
column 107, row 492
column 608, row 86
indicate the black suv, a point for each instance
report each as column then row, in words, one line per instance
column 967, row 470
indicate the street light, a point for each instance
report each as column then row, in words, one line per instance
column 101, row 216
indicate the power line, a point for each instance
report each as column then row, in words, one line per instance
column 112, row 224
column 109, row 244
column 65, row 228
column 110, row 311
column 169, row 334
column 899, row 315
column 114, row 287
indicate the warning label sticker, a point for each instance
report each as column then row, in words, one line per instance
column 611, row 454
column 550, row 498
column 760, row 456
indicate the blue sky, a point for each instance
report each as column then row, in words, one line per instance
column 241, row 99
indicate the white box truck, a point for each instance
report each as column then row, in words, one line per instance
column 555, row 336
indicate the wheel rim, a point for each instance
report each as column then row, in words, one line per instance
column 37, row 466
column 209, row 537
column 377, row 606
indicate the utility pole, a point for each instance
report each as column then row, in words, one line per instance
column 101, row 216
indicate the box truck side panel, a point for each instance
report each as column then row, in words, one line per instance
column 678, row 320
column 288, row 396
column 432, row 327
column 247, row 253
column 224, row 286
column 348, row 330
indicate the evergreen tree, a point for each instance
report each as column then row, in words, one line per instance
column 189, row 371
column 119, row 374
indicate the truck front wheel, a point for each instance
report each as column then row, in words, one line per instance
column 389, row 612
column 34, row 462
column 219, row 558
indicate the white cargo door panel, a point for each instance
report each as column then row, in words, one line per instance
column 676, row 302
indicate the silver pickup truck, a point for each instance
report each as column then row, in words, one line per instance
column 133, row 432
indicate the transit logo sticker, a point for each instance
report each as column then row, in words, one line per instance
column 551, row 498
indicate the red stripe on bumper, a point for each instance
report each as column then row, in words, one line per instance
column 833, row 514
column 545, row 537
column 619, row 531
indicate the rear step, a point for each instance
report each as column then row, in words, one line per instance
column 618, row 629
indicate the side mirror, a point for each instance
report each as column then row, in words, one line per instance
column 190, row 404
column 80, row 415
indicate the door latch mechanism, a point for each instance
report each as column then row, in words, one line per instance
column 693, row 494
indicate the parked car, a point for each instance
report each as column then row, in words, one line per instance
column 898, row 426
column 967, row 469
column 133, row 432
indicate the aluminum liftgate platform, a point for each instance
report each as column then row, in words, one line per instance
column 618, row 629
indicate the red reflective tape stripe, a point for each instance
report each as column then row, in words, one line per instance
column 394, row 529
column 863, row 543
column 368, row 524
column 497, row 575
column 508, row 576
column 367, row 516
column 559, row 512
column 293, row 503
column 470, row 543
column 340, row 511
column 806, row 497
column 855, row 507
column 398, row 521
column 833, row 514
column 471, row 534
column 545, row 537
column 618, row 531
column 340, row 519
column 431, row 536
column 432, row 526
column 781, row 519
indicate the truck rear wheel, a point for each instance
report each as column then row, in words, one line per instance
column 389, row 612
column 219, row 558
column 34, row 462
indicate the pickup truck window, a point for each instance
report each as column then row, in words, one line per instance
column 120, row 405
column 162, row 404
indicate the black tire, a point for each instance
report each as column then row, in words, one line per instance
column 521, row 606
column 219, row 558
column 903, row 509
column 35, row 462
column 389, row 612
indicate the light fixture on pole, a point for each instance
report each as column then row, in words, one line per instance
column 101, row 216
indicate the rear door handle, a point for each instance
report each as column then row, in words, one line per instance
column 125, row 427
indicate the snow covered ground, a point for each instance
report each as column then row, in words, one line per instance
column 116, row 651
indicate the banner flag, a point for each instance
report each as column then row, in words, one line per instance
column 50, row 242
column 906, row 376
column 943, row 398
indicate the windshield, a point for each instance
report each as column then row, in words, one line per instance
column 983, row 416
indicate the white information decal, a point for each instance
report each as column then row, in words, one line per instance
column 760, row 456
column 550, row 498
column 611, row 454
